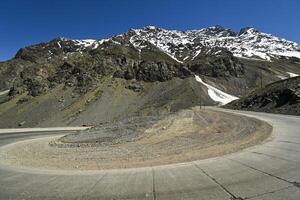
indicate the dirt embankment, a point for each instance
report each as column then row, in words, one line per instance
column 184, row 136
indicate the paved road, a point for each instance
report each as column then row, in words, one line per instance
column 42, row 130
column 269, row 171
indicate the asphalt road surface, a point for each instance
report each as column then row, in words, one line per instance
column 268, row 171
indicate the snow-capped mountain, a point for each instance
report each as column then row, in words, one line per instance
column 186, row 45
column 153, row 54
column 176, row 69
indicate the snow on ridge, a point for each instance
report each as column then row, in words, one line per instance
column 151, row 27
column 216, row 94
column 288, row 54
column 91, row 43
column 250, row 44
column 85, row 42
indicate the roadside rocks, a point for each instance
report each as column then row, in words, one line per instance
column 135, row 86
column 22, row 123
column 23, row 100
column 15, row 90
column 36, row 87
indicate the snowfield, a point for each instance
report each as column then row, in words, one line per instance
column 4, row 92
column 216, row 94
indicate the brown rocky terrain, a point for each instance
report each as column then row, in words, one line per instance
column 187, row 135
column 279, row 97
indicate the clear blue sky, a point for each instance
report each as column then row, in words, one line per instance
column 25, row 22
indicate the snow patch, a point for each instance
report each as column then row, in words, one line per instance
column 4, row 92
column 292, row 74
column 196, row 54
column 173, row 57
column 282, row 77
column 96, row 45
column 216, row 94
column 186, row 57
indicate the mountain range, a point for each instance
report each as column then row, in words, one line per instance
column 145, row 71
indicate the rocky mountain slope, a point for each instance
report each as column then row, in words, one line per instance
column 66, row 75
column 278, row 97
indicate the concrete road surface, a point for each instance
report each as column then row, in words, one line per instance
column 269, row 171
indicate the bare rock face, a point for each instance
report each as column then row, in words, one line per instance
column 216, row 62
column 153, row 71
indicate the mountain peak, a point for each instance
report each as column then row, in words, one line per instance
column 248, row 30
column 219, row 31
